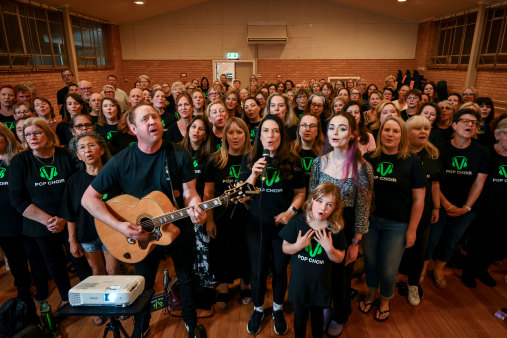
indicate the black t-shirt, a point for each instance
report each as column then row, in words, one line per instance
column 11, row 219
column 310, row 275
column 137, row 173
column 438, row 136
column 168, row 117
column 120, row 141
column 393, row 181
column 299, row 112
column 252, row 127
column 60, row 95
column 494, row 197
column 106, row 131
column 216, row 142
column 307, row 157
column 276, row 192
column 226, row 177
column 9, row 122
column 64, row 133
column 199, row 169
column 461, row 167
column 173, row 134
column 433, row 170
column 43, row 185
column 292, row 132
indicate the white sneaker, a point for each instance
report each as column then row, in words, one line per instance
column 413, row 295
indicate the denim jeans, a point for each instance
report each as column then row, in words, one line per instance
column 446, row 234
column 383, row 246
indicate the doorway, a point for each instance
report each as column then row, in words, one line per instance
column 235, row 69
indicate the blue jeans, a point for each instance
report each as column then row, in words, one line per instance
column 383, row 246
column 445, row 235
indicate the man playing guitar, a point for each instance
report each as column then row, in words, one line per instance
column 138, row 170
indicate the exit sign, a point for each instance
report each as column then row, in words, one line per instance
column 232, row 56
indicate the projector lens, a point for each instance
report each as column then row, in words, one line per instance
column 110, row 297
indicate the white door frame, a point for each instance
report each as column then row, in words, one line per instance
column 213, row 62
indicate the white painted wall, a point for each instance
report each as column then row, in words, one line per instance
column 316, row 30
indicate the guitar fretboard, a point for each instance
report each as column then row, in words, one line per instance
column 182, row 213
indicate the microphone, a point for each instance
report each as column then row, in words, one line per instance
column 265, row 155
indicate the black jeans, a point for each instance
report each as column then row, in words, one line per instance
column 13, row 249
column 301, row 317
column 182, row 252
column 51, row 248
column 261, row 242
column 38, row 268
column 412, row 262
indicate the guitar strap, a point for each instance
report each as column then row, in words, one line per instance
column 170, row 157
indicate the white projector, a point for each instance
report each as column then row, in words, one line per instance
column 107, row 291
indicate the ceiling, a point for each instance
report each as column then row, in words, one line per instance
column 125, row 11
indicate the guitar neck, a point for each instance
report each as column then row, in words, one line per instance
column 182, row 213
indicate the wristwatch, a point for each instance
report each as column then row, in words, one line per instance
column 355, row 241
column 294, row 210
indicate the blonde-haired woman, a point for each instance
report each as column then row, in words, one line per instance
column 279, row 105
column 217, row 115
column 399, row 186
column 229, row 255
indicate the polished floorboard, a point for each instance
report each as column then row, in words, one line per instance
column 457, row 311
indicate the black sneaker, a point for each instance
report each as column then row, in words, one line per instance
column 254, row 324
column 139, row 332
column 280, row 325
column 486, row 279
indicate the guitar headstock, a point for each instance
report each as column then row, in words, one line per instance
column 239, row 192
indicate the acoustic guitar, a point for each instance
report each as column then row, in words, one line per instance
column 155, row 213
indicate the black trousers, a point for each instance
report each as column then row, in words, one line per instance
column 261, row 241
column 13, row 249
column 38, row 268
column 182, row 252
column 301, row 317
column 412, row 262
column 51, row 248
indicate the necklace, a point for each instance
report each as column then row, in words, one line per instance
column 337, row 166
column 44, row 164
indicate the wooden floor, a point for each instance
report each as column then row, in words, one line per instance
column 454, row 312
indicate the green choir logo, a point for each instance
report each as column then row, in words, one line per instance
column 195, row 163
column 234, row 170
column 163, row 123
column 104, row 197
column 2, row 172
column 502, row 170
column 459, row 162
column 110, row 134
column 385, row 168
column 131, row 143
column 177, row 115
column 306, row 163
column 252, row 133
column 9, row 125
column 313, row 252
column 48, row 172
column 219, row 146
column 272, row 176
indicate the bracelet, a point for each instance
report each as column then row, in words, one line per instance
column 294, row 210
column 436, row 208
column 355, row 241
column 467, row 207
column 450, row 207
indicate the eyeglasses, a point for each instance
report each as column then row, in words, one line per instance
column 412, row 97
column 317, row 105
column 108, row 92
column 466, row 121
column 36, row 133
column 83, row 126
column 304, row 126
column 67, row 75
column 85, row 88
column 90, row 145
column 468, row 94
column 354, row 93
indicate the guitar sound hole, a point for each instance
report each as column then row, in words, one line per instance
column 147, row 224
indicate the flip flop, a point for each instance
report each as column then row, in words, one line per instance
column 246, row 296
column 380, row 313
column 98, row 321
column 365, row 303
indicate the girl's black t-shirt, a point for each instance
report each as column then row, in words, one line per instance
column 461, row 167
column 31, row 182
column 393, row 181
column 11, row 224
column 276, row 191
column 310, row 276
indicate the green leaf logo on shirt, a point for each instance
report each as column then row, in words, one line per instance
column 2, row 172
column 163, row 124
column 48, row 172
column 459, row 162
column 385, row 168
column 219, row 146
column 502, row 170
column 272, row 176
column 252, row 133
column 110, row 134
column 313, row 253
column 195, row 163
column 234, row 170
column 9, row 125
column 104, row 197
column 306, row 163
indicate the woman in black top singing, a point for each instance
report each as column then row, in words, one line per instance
column 37, row 181
column 282, row 193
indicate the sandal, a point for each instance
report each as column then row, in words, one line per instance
column 222, row 300
column 246, row 296
column 380, row 313
column 441, row 283
column 98, row 320
column 366, row 303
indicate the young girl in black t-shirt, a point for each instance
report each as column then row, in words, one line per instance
column 314, row 239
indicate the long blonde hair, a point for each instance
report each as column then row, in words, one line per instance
column 221, row 157
column 290, row 117
column 419, row 121
column 335, row 220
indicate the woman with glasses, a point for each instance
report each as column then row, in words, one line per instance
column 301, row 97
column 214, row 95
column 466, row 169
column 341, row 163
column 309, row 142
column 318, row 106
column 36, row 184
column 413, row 99
column 365, row 139
column 469, row 94
column 81, row 123
column 355, row 95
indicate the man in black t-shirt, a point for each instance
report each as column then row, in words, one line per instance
column 68, row 78
column 146, row 160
